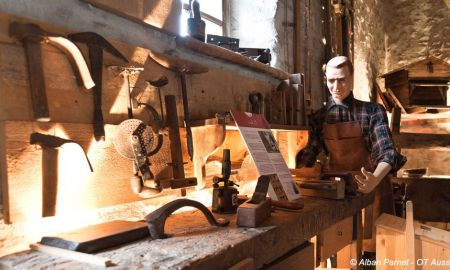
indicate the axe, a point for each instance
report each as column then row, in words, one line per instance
column 32, row 35
column 96, row 45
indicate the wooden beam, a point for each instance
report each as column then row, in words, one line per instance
column 128, row 30
column 395, row 120
column 297, row 36
column 421, row 140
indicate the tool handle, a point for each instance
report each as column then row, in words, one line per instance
column 195, row 7
column 187, row 120
column 37, row 81
column 96, row 60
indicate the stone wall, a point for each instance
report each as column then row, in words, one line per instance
column 390, row 34
column 369, row 46
column 415, row 29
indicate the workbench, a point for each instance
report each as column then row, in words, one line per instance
column 194, row 244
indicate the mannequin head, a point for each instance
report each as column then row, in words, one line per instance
column 339, row 73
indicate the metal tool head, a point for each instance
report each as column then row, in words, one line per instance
column 95, row 40
column 26, row 30
column 126, row 70
column 160, row 82
column 122, row 140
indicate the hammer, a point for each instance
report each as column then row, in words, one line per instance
column 96, row 45
column 32, row 35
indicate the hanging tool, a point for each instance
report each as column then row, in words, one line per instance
column 158, row 83
column 196, row 26
column 126, row 72
column 32, row 35
column 134, row 140
column 224, row 198
column 157, row 219
column 50, row 169
column 179, row 181
column 182, row 67
column 97, row 44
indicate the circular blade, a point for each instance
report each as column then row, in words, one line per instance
column 122, row 140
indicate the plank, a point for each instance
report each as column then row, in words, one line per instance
column 429, row 196
column 395, row 120
column 392, row 245
column 420, row 140
column 398, row 101
column 73, row 255
column 409, row 236
column 334, row 238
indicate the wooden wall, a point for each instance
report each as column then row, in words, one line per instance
column 71, row 110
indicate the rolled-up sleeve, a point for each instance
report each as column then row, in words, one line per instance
column 383, row 149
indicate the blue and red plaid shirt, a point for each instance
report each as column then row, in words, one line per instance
column 374, row 124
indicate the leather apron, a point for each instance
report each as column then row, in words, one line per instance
column 347, row 151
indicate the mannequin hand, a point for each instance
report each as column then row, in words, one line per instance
column 367, row 182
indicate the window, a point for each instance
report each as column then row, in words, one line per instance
column 211, row 13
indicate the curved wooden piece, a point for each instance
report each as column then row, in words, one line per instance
column 75, row 57
column 157, row 219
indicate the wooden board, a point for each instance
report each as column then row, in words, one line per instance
column 430, row 197
column 391, row 245
column 302, row 255
column 334, row 238
column 78, row 188
column 98, row 237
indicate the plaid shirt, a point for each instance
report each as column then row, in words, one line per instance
column 373, row 121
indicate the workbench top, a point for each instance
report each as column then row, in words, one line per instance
column 194, row 244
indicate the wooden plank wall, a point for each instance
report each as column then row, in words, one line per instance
column 71, row 113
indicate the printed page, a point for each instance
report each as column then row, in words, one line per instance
column 264, row 150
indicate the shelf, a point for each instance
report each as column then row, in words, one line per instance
column 231, row 125
column 135, row 32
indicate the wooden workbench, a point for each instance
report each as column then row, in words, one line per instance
column 196, row 245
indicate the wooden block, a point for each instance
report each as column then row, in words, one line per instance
column 334, row 238
column 252, row 215
column 301, row 257
column 322, row 189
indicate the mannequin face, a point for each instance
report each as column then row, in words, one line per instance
column 339, row 82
